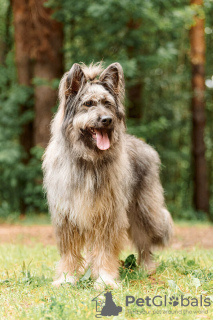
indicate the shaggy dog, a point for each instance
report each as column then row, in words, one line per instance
column 102, row 184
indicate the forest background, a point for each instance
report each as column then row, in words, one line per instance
column 165, row 48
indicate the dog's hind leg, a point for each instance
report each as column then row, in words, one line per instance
column 149, row 229
column 70, row 244
column 143, row 245
column 150, row 222
column 145, row 259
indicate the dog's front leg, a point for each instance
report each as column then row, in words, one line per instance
column 105, row 260
column 70, row 243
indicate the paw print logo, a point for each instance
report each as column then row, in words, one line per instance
column 174, row 301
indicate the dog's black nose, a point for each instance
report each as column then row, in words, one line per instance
column 106, row 120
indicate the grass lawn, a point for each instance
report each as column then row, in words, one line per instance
column 26, row 274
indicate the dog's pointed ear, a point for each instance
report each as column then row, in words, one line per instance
column 75, row 80
column 112, row 78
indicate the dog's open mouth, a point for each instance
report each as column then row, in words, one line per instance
column 101, row 137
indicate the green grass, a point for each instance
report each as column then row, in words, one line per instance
column 26, row 274
column 28, row 219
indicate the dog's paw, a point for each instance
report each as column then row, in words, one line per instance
column 106, row 280
column 151, row 267
column 65, row 279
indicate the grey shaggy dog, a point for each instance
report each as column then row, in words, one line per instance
column 102, row 184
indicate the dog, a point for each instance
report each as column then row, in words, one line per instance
column 102, row 184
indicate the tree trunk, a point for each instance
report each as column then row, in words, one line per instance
column 38, row 43
column 135, row 90
column 135, row 103
column 197, row 39
column 38, row 53
column 48, row 65
column 45, row 100
column 21, row 14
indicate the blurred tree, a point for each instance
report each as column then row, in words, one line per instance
column 135, row 90
column 197, row 39
column 39, row 61
column 38, row 51
column 151, row 41
column 24, row 63
column 6, row 39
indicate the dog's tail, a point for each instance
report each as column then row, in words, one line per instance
column 167, row 226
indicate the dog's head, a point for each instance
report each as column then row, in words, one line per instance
column 92, row 106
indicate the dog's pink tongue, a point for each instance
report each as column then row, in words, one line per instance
column 102, row 140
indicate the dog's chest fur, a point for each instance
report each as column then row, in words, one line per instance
column 90, row 195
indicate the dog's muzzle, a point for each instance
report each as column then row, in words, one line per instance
column 106, row 120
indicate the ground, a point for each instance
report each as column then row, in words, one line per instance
column 185, row 236
column 28, row 257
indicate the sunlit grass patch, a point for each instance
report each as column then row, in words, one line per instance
column 26, row 290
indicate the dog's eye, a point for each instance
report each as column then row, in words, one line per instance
column 107, row 103
column 88, row 103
